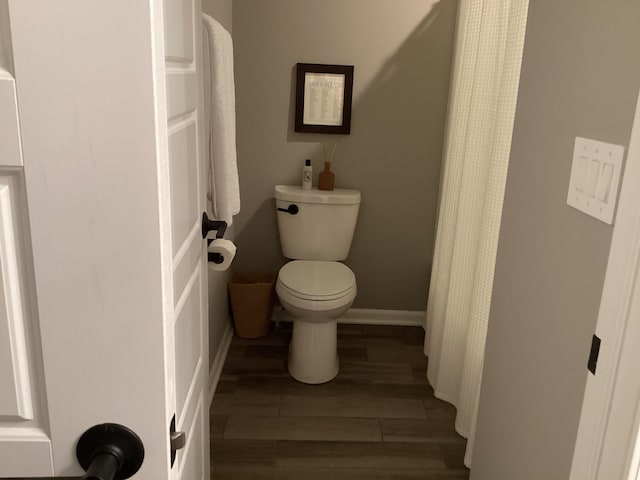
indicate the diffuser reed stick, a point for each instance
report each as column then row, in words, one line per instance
column 333, row 151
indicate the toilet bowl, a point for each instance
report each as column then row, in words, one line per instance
column 316, row 294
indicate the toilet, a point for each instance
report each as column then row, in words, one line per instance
column 316, row 228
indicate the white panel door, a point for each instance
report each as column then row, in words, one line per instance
column 24, row 440
column 102, row 287
column 182, row 58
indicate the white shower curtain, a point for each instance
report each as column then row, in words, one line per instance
column 484, row 88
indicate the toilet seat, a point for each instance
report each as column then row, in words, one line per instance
column 316, row 281
column 316, row 294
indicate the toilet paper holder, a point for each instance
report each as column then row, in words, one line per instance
column 220, row 227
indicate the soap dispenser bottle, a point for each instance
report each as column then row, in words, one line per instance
column 307, row 175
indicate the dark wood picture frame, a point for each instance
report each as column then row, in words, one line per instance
column 318, row 116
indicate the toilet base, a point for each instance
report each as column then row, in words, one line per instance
column 313, row 354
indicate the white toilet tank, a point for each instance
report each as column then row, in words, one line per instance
column 316, row 224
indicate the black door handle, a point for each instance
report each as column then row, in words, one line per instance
column 292, row 209
column 109, row 452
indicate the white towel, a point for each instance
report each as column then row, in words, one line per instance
column 223, row 190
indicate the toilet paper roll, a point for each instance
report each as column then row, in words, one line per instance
column 226, row 250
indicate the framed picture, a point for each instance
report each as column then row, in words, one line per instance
column 323, row 98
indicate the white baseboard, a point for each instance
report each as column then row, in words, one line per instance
column 369, row 316
column 218, row 361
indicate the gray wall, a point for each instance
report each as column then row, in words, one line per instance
column 219, row 318
column 580, row 77
column 402, row 60
column 221, row 10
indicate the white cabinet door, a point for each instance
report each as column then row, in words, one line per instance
column 103, row 287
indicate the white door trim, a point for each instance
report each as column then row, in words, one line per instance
column 611, row 393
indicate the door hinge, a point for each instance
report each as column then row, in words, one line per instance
column 593, row 356
column 177, row 440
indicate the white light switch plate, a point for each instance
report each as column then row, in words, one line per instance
column 595, row 176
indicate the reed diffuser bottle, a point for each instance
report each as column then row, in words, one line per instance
column 326, row 178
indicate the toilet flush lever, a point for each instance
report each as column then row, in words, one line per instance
column 292, row 209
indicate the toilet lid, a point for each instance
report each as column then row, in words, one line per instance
column 316, row 279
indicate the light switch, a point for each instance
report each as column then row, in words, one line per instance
column 592, row 178
column 595, row 176
column 581, row 173
column 604, row 183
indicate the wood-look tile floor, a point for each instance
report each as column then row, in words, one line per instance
column 378, row 419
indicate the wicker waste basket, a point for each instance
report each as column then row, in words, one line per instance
column 251, row 302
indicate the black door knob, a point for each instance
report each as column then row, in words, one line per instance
column 109, row 452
